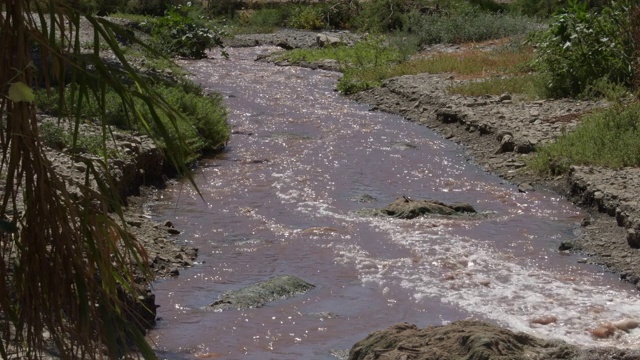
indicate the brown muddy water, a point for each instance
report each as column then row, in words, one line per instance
column 281, row 200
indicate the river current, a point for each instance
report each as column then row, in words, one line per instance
column 281, row 200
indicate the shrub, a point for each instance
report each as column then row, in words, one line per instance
column 182, row 31
column 224, row 7
column 307, row 17
column 582, row 46
column 329, row 15
column 468, row 26
column 265, row 20
column 386, row 15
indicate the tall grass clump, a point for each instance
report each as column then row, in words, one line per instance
column 529, row 86
column 584, row 45
column 337, row 14
column 203, row 126
column 610, row 138
column 469, row 26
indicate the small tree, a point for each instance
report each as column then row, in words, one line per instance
column 584, row 45
column 66, row 267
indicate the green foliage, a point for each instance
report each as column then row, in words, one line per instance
column 387, row 15
column 468, row 26
column 529, row 86
column 224, row 7
column 328, row 15
column 307, row 17
column 183, row 31
column 582, row 46
column 59, row 137
column 610, row 138
column 203, row 126
column 539, row 8
column 362, row 64
column 264, row 20
column 54, row 136
column 206, row 128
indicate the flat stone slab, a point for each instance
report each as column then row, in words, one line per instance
column 257, row 295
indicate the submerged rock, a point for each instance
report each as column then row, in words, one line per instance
column 406, row 208
column 255, row 296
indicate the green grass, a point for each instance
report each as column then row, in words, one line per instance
column 610, row 138
column 370, row 62
column 203, row 126
column 530, row 86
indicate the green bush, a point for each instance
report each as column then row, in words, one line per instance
column 329, row 15
column 610, row 138
column 182, row 31
column 265, row 20
column 386, row 15
column 583, row 45
column 307, row 17
column 468, row 26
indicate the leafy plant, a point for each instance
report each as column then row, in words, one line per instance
column 584, row 45
column 307, row 17
column 182, row 31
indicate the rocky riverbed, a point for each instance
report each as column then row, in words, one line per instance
column 499, row 133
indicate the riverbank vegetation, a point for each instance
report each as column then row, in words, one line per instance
column 73, row 278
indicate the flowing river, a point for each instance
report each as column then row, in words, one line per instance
column 281, row 200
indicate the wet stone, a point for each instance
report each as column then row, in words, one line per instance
column 257, row 295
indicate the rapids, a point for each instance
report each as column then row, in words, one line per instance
column 281, row 200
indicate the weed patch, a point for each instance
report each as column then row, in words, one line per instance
column 471, row 26
column 530, row 86
column 610, row 138
column 202, row 127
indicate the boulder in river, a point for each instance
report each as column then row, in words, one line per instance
column 470, row 340
column 257, row 295
column 406, row 208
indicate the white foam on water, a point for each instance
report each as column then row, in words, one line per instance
column 496, row 285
